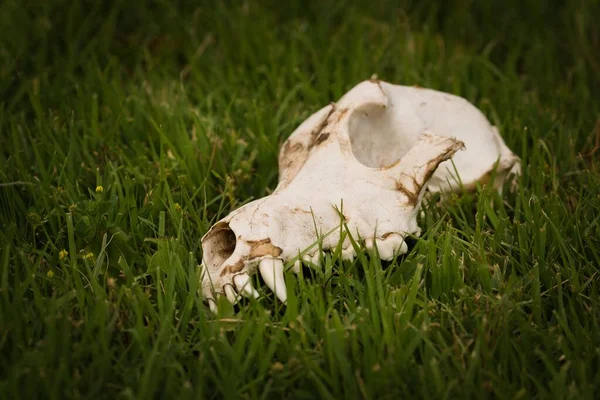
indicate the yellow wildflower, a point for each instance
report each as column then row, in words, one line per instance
column 277, row 366
column 50, row 274
column 177, row 207
column 99, row 189
column 63, row 254
column 89, row 256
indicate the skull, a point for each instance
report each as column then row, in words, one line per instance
column 364, row 164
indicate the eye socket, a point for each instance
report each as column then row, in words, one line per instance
column 218, row 246
column 375, row 137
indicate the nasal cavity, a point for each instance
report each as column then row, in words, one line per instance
column 219, row 245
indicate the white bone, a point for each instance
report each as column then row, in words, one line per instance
column 367, row 160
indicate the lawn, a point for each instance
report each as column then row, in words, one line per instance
column 127, row 131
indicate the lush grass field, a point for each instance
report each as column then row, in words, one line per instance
column 126, row 131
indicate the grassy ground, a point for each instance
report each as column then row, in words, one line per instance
column 126, row 131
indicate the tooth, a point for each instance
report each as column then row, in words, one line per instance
column 391, row 246
column 386, row 250
column 315, row 258
column 244, row 285
column 348, row 253
column 212, row 304
column 271, row 270
column 403, row 248
column 296, row 267
column 232, row 296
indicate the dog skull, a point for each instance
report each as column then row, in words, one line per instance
column 365, row 161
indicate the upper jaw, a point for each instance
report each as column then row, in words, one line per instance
column 286, row 227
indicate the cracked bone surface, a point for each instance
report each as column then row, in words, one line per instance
column 365, row 160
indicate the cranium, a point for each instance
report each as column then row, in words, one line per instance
column 366, row 162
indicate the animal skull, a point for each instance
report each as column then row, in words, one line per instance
column 365, row 162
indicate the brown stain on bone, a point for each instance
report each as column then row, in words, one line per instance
column 294, row 154
column 432, row 164
column 318, row 136
column 290, row 148
column 430, row 168
column 234, row 268
column 392, row 165
column 262, row 248
column 291, row 153
column 340, row 114
column 320, row 139
column 299, row 210
column 412, row 197
column 258, row 248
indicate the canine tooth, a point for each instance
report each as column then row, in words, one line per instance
column 232, row 296
column 271, row 270
column 244, row 285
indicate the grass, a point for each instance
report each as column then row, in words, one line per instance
column 126, row 131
